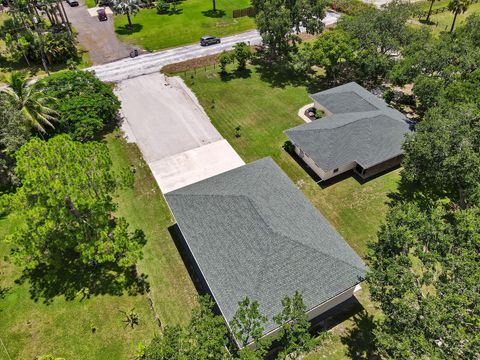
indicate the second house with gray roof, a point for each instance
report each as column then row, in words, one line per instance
column 360, row 133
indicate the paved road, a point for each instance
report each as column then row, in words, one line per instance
column 150, row 63
column 97, row 37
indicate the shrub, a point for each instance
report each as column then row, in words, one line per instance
column 162, row 6
column 242, row 54
column 85, row 104
column 225, row 59
column 288, row 146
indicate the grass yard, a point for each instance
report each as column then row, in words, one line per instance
column 63, row 328
column 264, row 111
column 443, row 21
column 193, row 20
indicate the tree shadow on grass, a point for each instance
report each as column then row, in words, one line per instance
column 280, row 73
column 129, row 30
column 237, row 74
column 214, row 14
column 360, row 339
column 73, row 279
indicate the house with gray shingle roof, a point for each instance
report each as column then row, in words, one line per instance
column 360, row 132
column 252, row 233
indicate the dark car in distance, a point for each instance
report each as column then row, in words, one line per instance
column 102, row 15
column 72, row 3
column 209, row 40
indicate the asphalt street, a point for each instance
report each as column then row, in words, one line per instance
column 149, row 63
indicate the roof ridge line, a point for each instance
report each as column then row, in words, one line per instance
column 271, row 230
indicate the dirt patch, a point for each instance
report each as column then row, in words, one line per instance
column 197, row 63
column 191, row 64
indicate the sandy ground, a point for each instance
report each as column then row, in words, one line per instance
column 173, row 132
column 98, row 37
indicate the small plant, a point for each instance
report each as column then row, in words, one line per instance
column 288, row 146
column 388, row 96
column 140, row 352
column 93, row 328
column 213, row 104
column 131, row 318
column 238, row 130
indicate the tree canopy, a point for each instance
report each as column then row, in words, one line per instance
column 70, row 225
column 13, row 134
column 87, row 105
column 279, row 22
column 424, row 269
column 34, row 105
column 444, row 68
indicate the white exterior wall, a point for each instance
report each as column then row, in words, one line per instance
column 341, row 169
column 324, row 175
column 320, row 309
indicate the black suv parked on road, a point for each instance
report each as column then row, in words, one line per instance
column 209, row 40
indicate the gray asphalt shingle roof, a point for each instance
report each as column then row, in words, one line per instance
column 368, row 133
column 348, row 98
column 253, row 233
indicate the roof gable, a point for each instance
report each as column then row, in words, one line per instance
column 364, row 137
column 254, row 234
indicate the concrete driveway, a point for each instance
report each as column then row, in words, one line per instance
column 173, row 132
column 97, row 37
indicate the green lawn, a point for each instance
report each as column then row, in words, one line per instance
column 443, row 21
column 356, row 210
column 193, row 20
column 63, row 328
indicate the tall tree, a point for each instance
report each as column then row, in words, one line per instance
column 457, row 7
column 294, row 333
column 87, row 106
column 170, row 345
column 280, row 21
column 13, row 134
column 206, row 333
column 335, row 52
column 443, row 157
column 381, row 34
column 126, row 7
column 66, row 201
column 424, row 273
column 34, row 105
column 429, row 13
column 247, row 326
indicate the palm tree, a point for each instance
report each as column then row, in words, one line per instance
column 430, row 10
column 126, row 7
column 457, row 7
column 34, row 105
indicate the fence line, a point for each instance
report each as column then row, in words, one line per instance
column 250, row 11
